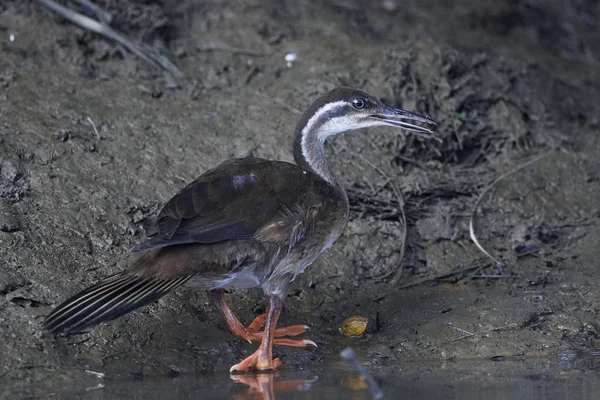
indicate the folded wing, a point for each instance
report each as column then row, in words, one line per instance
column 240, row 199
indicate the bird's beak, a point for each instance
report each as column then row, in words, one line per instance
column 398, row 117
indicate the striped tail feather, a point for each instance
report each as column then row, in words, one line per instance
column 110, row 298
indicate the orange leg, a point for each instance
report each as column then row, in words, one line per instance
column 262, row 358
column 253, row 332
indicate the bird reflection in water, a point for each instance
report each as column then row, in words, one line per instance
column 266, row 387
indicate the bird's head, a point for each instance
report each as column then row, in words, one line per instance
column 344, row 109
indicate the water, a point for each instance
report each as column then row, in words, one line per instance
column 567, row 377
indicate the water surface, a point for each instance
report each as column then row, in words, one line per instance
column 567, row 377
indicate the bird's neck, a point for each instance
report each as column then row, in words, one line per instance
column 315, row 126
column 309, row 154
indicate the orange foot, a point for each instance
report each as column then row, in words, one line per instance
column 256, row 362
column 262, row 359
column 253, row 333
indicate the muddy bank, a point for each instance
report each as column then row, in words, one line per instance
column 93, row 142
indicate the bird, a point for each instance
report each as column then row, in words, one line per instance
column 248, row 222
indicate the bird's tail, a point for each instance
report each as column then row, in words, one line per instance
column 110, row 298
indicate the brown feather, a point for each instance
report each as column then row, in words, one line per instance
column 236, row 200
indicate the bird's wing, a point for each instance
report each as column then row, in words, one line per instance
column 241, row 199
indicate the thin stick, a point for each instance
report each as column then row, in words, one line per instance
column 141, row 51
column 482, row 195
column 283, row 104
column 233, row 50
column 280, row 102
column 464, row 331
column 471, row 334
column 349, row 355
column 474, row 266
column 400, row 201
column 103, row 15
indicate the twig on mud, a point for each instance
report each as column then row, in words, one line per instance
column 400, row 200
column 411, row 161
column 466, row 332
column 233, row 50
column 482, row 195
column 349, row 355
column 94, row 127
column 283, row 104
column 280, row 102
column 142, row 51
column 103, row 15
column 253, row 71
column 471, row 334
column 450, row 277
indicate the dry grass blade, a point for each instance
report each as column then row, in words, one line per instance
column 94, row 127
column 482, row 195
column 142, row 51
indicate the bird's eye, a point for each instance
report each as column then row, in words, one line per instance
column 358, row 103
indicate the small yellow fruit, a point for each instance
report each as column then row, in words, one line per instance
column 354, row 326
column 355, row 383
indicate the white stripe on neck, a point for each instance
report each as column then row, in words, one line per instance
column 315, row 156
